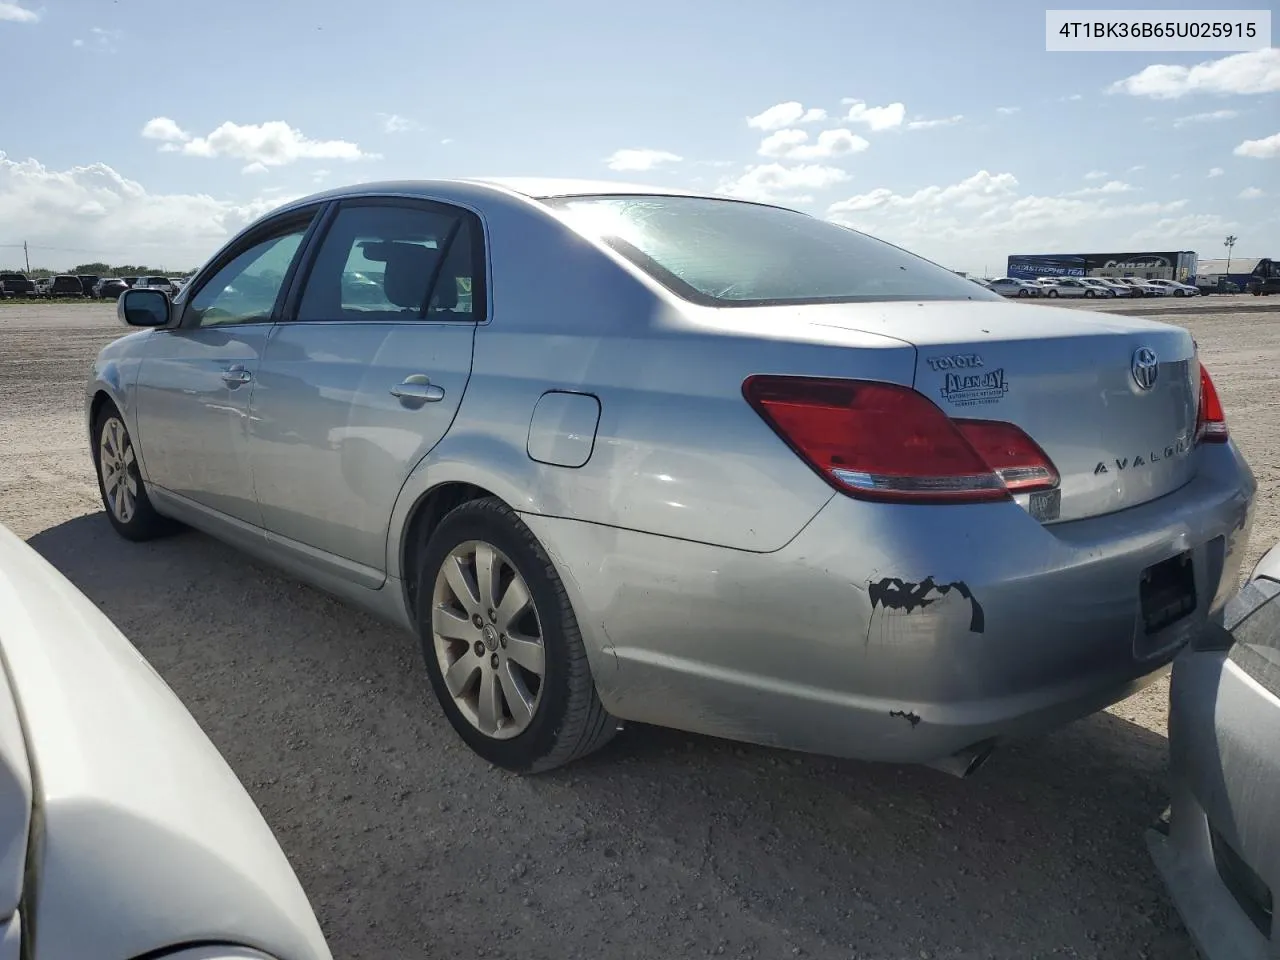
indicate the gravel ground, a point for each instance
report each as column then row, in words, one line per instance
column 664, row 844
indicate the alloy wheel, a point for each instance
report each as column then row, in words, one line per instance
column 115, row 466
column 488, row 639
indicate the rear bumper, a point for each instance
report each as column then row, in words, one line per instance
column 891, row 632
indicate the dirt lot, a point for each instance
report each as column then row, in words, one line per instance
column 663, row 845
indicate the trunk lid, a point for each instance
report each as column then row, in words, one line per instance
column 1076, row 382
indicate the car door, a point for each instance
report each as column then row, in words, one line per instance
column 195, row 380
column 364, row 376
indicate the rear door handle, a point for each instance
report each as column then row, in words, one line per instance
column 418, row 387
column 235, row 375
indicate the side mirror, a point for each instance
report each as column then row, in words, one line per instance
column 144, row 308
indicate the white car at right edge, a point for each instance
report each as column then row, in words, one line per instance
column 123, row 832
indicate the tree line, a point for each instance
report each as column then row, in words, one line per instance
column 101, row 270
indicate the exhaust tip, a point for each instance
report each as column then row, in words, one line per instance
column 964, row 763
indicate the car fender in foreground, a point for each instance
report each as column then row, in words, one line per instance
column 146, row 840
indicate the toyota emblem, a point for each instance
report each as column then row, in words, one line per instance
column 1146, row 367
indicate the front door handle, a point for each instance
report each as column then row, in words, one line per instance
column 418, row 387
column 235, row 375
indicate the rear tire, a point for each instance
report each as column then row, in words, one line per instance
column 470, row 643
column 1052, row 293
column 124, row 496
column 1023, row 293
column 1088, row 294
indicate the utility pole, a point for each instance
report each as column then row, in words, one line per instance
column 1229, row 243
column 26, row 256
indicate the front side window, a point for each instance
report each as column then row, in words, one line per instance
column 733, row 253
column 392, row 262
column 246, row 288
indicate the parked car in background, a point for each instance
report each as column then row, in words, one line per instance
column 66, row 285
column 1143, row 287
column 177, row 283
column 1176, row 289
column 1218, row 845
column 567, row 537
column 87, row 282
column 1097, row 288
column 1013, row 287
column 109, row 288
column 125, row 832
column 1067, row 287
column 16, row 285
column 155, row 283
column 43, row 286
column 1118, row 288
column 130, row 281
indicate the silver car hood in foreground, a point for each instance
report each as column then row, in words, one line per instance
column 144, row 838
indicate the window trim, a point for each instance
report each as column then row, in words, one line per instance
column 310, row 254
column 251, row 237
column 685, row 291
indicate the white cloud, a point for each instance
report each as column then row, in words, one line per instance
column 877, row 118
column 272, row 144
column 793, row 144
column 640, row 159
column 1136, row 167
column 1251, row 193
column 1257, row 71
column 929, row 124
column 1111, row 186
column 1215, row 172
column 446, row 141
column 977, row 222
column 92, row 212
column 1263, row 149
column 320, row 175
column 773, row 181
column 256, row 167
column 979, row 190
column 162, row 128
column 784, row 115
column 1073, row 97
column 16, row 13
column 77, row 42
column 394, row 123
column 1007, row 110
column 1095, row 174
column 1209, row 117
column 1184, row 231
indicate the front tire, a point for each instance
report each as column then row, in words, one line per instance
column 124, row 496
column 1088, row 294
column 1052, row 293
column 502, row 645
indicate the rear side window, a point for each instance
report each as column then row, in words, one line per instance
column 733, row 253
column 393, row 262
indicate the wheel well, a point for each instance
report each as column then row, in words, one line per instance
column 427, row 513
column 100, row 400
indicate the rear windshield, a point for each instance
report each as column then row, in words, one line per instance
column 733, row 253
column 1257, row 646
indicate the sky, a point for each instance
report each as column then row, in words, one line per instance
column 150, row 131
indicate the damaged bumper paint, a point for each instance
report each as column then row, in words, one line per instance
column 894, row 632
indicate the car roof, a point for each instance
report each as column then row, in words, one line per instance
column 544, row 188
column 534, row 188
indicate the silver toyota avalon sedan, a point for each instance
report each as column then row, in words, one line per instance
column 625, row 453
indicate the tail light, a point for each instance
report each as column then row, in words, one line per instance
column 1211, row 422
column 881, row 441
